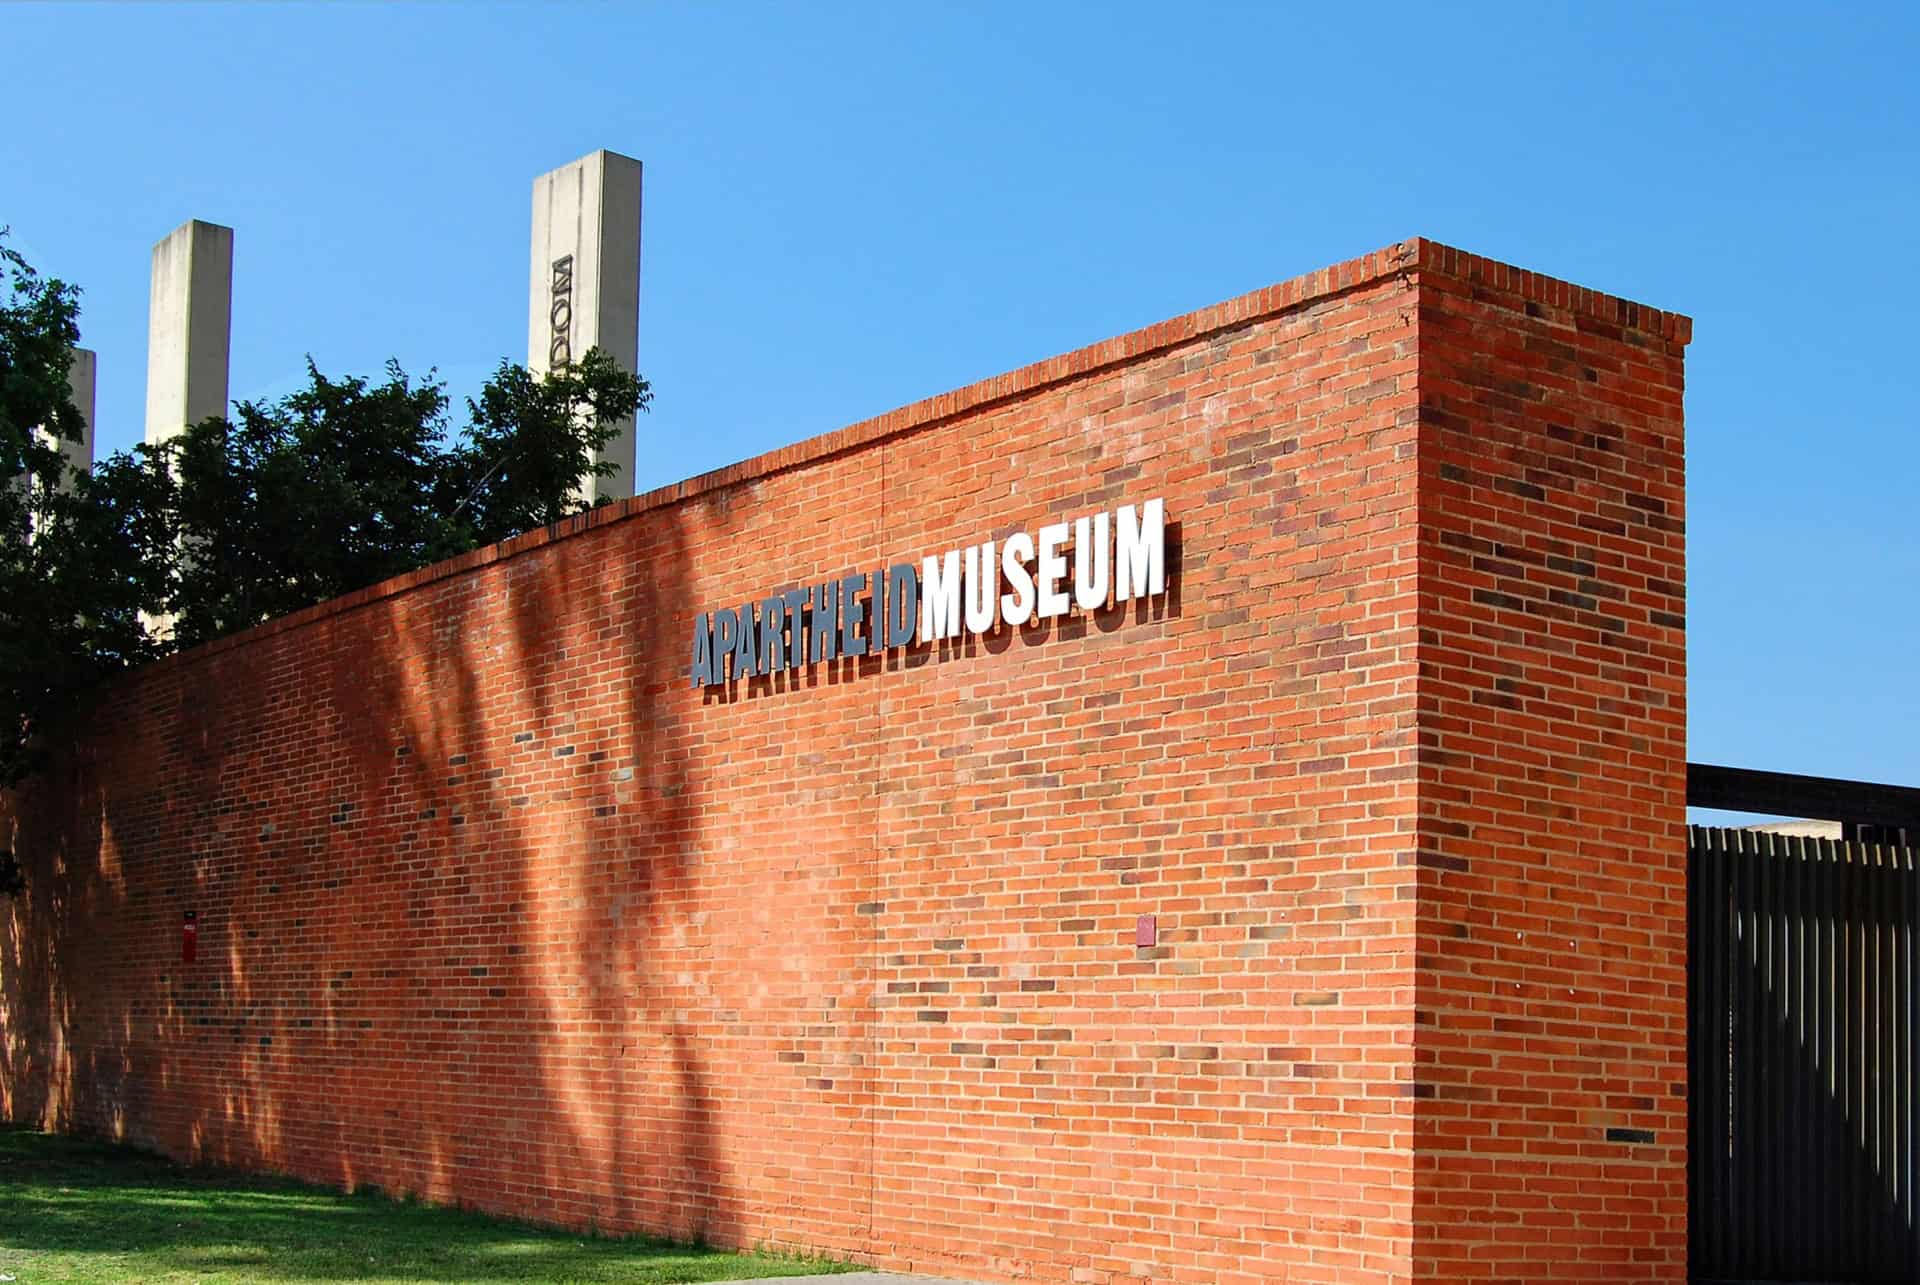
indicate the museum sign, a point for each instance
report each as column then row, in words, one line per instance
column 1081, row 565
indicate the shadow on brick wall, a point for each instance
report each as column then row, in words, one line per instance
column 428, row 841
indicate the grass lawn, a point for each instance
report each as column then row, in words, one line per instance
column 84, row 1211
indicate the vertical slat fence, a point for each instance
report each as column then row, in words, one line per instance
column 1803, row 1016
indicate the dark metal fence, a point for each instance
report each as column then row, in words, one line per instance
column 1804, row 1008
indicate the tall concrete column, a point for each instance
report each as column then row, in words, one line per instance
column 189, row 328
column 585, row 285
column 78, row 455
column 80, row 385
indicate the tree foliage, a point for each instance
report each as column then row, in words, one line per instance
column 347, row 482
column 58, row 579
column 340, row 484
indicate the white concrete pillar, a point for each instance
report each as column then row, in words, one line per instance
column 79, row 455
column 189, row 328
column 585, row 287
column 80, row 384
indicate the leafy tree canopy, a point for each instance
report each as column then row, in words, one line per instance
column 347, row 482
column 235, row 521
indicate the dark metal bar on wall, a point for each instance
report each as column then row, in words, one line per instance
column 1821, row 798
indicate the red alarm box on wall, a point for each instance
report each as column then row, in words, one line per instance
column 189, row 937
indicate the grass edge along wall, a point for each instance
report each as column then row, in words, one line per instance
column 1318, row 918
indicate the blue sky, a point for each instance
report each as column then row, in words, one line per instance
column 852, row 207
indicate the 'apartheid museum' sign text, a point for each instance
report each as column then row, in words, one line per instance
column 1116, row 558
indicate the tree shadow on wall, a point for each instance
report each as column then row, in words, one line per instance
column 429, row 841
column 62, row 1063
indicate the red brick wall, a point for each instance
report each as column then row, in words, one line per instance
column 1551, row 1037
column 495, row 908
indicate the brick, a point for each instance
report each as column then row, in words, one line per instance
column 841, row 959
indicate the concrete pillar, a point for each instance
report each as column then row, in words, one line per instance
column 80, row 384
column 585, row 285
column 189, row 327
column 78, row 455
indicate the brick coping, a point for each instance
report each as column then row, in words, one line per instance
column 1403, row 258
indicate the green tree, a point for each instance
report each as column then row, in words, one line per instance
column 76, row 564
column 39, row 326
column 530, row 444
column 303, row 499
column 345, row 483
column 338, row 485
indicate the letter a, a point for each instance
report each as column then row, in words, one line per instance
column 702, row 651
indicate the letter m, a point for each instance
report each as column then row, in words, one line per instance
column 940, row 597
column 1140, row 551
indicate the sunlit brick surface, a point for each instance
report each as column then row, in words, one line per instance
column 495, row 907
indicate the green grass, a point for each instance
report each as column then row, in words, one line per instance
column 85, row 1211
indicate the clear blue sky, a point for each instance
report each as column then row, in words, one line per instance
column 849, row 208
